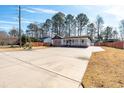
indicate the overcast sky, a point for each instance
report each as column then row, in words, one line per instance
column 9, row 14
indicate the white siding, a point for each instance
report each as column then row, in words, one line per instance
column 75, row 42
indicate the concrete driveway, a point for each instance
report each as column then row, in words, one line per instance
column 50, row 67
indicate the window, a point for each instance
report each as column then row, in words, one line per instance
column 82, row 41
column 67, row 41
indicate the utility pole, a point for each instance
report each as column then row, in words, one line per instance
column 20, row 42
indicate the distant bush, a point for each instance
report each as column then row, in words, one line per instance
column 25, row 39
column 104, row 41
column 111, row 40
column 34, row 39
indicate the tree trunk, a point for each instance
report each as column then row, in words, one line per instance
column 98, row 32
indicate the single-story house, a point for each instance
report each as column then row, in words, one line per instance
column 76, row 41
column 73, row 41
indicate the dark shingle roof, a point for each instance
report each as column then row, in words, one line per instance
column 57, row 37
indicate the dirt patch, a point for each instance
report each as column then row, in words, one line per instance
column 105, row 69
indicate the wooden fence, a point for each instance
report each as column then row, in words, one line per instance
column 118, row 44
column 39, row 44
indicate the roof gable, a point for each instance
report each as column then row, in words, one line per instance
column 57, row 37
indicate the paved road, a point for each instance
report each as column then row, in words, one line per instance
column 50, row 67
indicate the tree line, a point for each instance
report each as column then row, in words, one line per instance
column 70, row 25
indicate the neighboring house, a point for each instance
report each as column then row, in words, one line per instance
column 74, row 41
column 57, row 40
column 47, row 40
